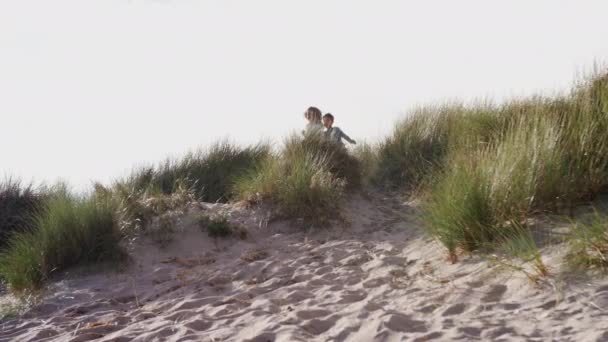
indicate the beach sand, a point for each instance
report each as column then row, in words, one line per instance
column 377, row 277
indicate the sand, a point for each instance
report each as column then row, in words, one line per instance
column 375, row 278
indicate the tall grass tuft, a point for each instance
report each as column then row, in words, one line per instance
column 209, row 173
column 589, row 244
column 422, row 142
column 367, row 156
column 305, row 180
column 17, row 204
column 333, row 156
column 542, row 155
column 70, row 230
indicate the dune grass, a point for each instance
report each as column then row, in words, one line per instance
column 208, row 173
column 306, row 179
column 70, row 230
column 421, row 143
column 17, row 204
column 542, row 155
column 482, row 170
column 589, row 244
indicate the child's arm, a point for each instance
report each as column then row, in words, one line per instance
column 347, row 138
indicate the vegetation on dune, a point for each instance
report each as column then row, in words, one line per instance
column 338, row 161
column 589, row 244
column 483, row 169
column 136, row 208
column 209, row 173
column 306, row 179
column 70, row 230
column 219, row 227
column 421, row 143
column 367, row 158
column 18, row 204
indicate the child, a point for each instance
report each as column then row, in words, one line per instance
column 334, row 134
column 314, row 125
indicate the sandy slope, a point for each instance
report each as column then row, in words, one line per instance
column 378, row 279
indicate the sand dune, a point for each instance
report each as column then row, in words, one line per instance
column 378, row 279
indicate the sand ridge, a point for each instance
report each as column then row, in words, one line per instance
column 378, row 278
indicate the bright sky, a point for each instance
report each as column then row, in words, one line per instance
column 89, row 89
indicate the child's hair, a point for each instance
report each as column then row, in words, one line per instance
column 328, row 115
column 313, row 114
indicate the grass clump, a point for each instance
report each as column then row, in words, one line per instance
column 163, row 229
column 70, row 230
column 368, row 161
column 521, row 245
column 306, row 180
column 136, row 209
column 421, row 143
column 589, row 244
column 546, row 155
column 219, row 227
column 17, row 205
column 209, row 174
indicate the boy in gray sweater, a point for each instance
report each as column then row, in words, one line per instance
column 334, row 134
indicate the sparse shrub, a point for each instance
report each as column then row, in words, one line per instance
column 367, row 156
column 163, row 229
column 70, row 230
column 305, row 180
column 521, row 244
column 341, row 164
column 209, row 173
column 547, row 154
column 253, row 255
column 421, row 143
column 219, row 227
column 589, row 244
column 17, row 206
column 137, row 208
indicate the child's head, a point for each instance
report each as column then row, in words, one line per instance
column 328, row 120
column 313, row 114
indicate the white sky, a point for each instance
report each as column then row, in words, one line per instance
column 90, row 88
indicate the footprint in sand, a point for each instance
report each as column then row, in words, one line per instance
column 43, row 334
column 403, row 323
column 186, row 338
column 352, row 297
column 86, row 337
column 455, row 309
column 180, row 315
column 498, row 332
column 97, row 330
column 548, row 305
column 335, row 288
column 428, row 309
column 511, row 306
column 495, row 293
column 376, row 282
column 318, row 326
column 298, row 296
column 263, row 337
column 346, row 332
column 323, row 270
column 600, row 298
column 310, row 314
column 470, row 332
column 356, row 260
column 429, row 337
column 199, row 325
column 353, row 280
column 160, row 334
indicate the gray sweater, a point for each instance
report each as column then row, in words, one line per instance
column 336, row 135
